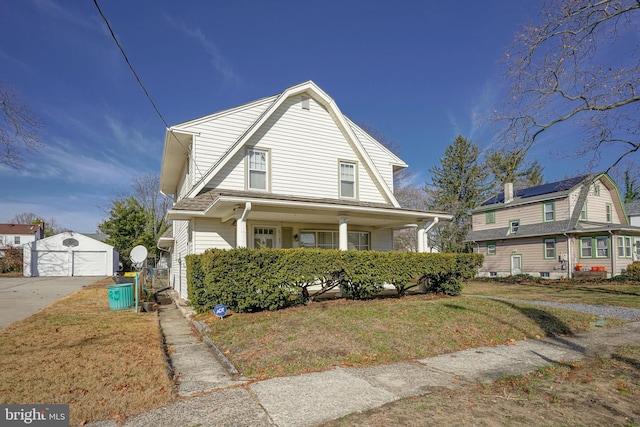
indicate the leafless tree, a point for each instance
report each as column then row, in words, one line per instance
column 580, row 67
column 19, row 127
column 51, row 225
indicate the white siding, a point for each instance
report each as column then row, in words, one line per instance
column 181, row 248
column 378, row 155
column 305, row 148
column 212, row 233
column 217, row 134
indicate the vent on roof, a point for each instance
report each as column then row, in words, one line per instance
column 305, row 102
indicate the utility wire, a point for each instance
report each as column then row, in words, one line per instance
column 104, row 18
column 115, row 39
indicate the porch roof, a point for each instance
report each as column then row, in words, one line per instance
column 225, row 205
column 552, row 229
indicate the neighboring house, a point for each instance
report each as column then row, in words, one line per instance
column 286, row 171
column 633, row 212
column 554, row 230
column 16, row 235
column 69, row 254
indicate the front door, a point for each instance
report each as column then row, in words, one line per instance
column 264, row 237
column 516, row 264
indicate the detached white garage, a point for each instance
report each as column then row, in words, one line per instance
column 69, row 254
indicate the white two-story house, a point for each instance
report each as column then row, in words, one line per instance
column 555, row 230
column 286, row 171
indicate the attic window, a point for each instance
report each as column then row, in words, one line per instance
column 305, row 102
column 513, row 226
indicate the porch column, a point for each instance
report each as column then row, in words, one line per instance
column 241, row 226
column 343, row 232
column 421, row 235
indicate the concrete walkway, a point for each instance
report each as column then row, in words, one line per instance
column 214, row 397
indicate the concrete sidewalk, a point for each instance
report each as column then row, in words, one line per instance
column 211, row 396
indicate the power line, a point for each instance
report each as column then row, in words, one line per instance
column 113, row 36
column 115, row 39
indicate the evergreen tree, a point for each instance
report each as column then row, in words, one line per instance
column 458, row 185
column 631, row 193
column 127, row 228
column 510, row 167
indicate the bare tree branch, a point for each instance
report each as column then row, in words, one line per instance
column 578, row 67
column 19, row 127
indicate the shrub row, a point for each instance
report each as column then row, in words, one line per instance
column 248, row 280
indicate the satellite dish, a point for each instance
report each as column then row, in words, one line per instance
column 138, row 255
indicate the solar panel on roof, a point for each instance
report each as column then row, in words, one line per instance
column 539, row 190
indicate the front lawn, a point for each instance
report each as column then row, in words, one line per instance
column 331, row 333
column 623, row 294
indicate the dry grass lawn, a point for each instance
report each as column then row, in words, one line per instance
column 623, row 294
column 345, row 333
column 104, row 363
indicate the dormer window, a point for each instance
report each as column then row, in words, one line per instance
column 514, row 224
column 257, row 169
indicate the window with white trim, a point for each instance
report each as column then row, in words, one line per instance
column 258, row 168
column 583, row 212
column 348, row 180
column 609, row 213
column 317, row 239
column 624, row 247
column 514, row 224
column 16, row 240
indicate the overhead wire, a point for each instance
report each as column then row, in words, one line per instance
column 139, row 80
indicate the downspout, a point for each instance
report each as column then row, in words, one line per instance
column 569, row 267
column 613, row 256
column 241, row 227
column 423, row 232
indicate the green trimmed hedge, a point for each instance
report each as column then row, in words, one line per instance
column 247, row 280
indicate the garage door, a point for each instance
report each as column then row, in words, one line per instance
column 89, row 263
column 51, row 263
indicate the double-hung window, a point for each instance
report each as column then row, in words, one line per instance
column 586, row 247
column 609, row 213
column 491, row 248
column 549, row 248
column 624, row 247
column 258, row 168
column 348, row 180
column 514, row 224
column 548, row 209
column 602, row 247
column 583, row 212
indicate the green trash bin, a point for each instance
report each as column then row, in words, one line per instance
column 120, row 296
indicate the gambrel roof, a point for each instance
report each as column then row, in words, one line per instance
column 178, row 138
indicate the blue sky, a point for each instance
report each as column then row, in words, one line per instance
column 421, row 72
